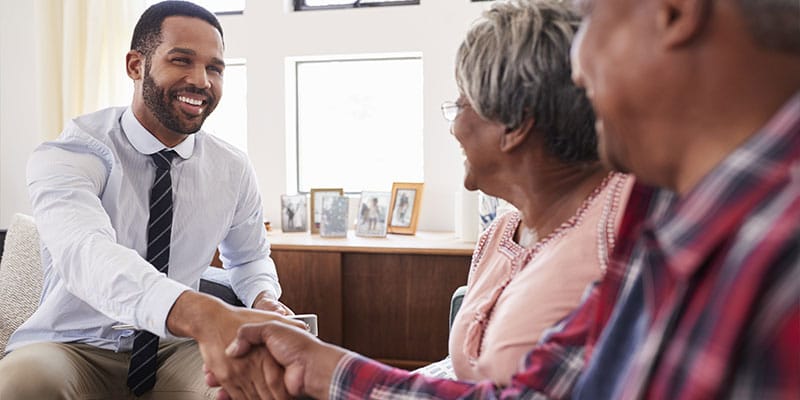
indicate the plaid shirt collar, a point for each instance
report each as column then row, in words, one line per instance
column 707, row 214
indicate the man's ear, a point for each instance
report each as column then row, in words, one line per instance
column 512, row 139
column 681, row 21
column 134, row 65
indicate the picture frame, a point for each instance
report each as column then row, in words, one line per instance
column 316, row 205
column 294, row 213
column 334, row 216
column 373, row 213
column 405, row 206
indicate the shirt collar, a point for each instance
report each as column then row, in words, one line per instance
column 144, row 141
column 707, row 215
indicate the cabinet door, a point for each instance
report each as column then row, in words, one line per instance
column 396, row 306
column 312, row 284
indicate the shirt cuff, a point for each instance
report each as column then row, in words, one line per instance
column 156, row 304
column 249, row 280
column 343, row 377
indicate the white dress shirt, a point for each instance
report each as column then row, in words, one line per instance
column 90, row 195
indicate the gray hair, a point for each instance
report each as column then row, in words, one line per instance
column 514, row 65
column 774, row 24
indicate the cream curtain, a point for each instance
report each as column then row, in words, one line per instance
column 82, row 51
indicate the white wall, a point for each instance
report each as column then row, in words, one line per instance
column 266, row 34
column 20, row 130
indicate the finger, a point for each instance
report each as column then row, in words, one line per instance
column 277, row 315
column 223, row 395
column 269, row 305
column 288, row 311
column 251, row 392
column 238, row 347
column 211, row 379
column 234, row 393
column 249, row 335
column 261, row 374
column 274, row 378
column 294, row 322
column 274, row 306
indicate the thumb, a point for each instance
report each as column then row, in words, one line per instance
column 247, row 336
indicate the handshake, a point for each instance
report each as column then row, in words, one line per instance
column 283, row 361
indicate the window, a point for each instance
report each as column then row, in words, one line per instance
column 216, row 6
column 302, row 5
column 229, row 119
column 358, row 122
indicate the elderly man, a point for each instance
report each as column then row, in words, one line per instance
column 701, row 98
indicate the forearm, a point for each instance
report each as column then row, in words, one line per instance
column 193, row 313
column 360, row 378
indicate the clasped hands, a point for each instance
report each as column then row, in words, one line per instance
column 270, row 360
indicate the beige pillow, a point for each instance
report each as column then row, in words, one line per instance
column 20, row 276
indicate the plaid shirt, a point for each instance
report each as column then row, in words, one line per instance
column 721, row 280
column 720, row 274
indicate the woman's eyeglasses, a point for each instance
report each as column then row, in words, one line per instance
column 450, row 110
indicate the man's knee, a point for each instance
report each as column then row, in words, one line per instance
column 34, row 372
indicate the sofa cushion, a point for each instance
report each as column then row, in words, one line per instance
column 20, row 276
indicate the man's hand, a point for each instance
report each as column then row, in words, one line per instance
column 265, row 303
column 265, row 368
column 214, row 324
column 308, row 363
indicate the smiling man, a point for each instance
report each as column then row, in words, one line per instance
column 121, row 201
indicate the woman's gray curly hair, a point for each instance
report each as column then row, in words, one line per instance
column 514, row 65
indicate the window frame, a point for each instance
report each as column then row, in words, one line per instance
column 300, row 5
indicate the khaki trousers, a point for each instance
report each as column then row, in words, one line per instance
column 46, row 371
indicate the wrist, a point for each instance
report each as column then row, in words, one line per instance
column 190, row 314
column 264, row 295
column 321, row 370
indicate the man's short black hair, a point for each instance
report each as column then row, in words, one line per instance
column 147, row 34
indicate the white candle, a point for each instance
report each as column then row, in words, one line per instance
column 466, row 215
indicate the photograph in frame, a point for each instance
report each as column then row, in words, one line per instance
column 373, row 212
column 405, row 206
column 294, row 213
column 316, row 205
column 333, row 221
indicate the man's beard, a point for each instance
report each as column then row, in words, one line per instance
column 158, row 102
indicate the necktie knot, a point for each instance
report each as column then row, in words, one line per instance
column 163, row 158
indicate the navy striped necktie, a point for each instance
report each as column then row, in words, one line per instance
column 142, row 369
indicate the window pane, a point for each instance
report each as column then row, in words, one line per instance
column 359, row 123
column 229, row 119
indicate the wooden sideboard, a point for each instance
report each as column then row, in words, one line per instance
column 386, row 298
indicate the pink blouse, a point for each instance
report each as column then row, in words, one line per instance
column 514, row 294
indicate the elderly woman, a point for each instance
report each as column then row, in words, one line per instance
column 528, row 136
